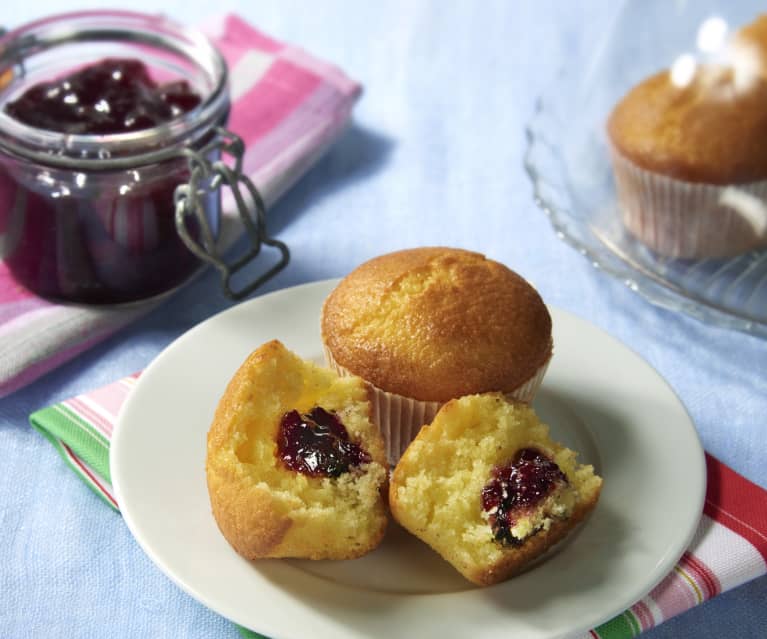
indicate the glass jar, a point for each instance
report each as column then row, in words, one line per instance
column 91, row 218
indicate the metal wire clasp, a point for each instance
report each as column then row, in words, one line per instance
column 207, row 176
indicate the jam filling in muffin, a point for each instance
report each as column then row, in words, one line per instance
column 516, row 490
column 317, row 444
column 295, row 465
column 488, row 489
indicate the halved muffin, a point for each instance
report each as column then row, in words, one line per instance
column 486, row 487
column 295, row 466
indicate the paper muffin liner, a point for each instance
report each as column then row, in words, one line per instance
column 681, row 219
column 400, row 418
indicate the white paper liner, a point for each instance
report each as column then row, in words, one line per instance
column 690, row 220
column 400, row 418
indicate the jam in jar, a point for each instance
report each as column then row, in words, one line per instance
column 114, row 95
column 92, row 150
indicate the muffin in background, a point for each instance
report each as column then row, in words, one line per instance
column 688, row 155
column 295, row 466
column 423, row 326
column 486, row 487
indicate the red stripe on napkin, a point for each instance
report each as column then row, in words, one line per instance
column 737, row 503
column 107, row 493
column 704, row 575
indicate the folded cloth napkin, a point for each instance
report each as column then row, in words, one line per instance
column 729, row 547
column 286, row 105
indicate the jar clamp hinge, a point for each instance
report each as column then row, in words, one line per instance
column 208, row 176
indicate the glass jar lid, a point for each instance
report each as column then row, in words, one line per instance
column 42, row 50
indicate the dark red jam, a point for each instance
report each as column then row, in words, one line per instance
column 517, row 488
column 115, row 95
column 317, row 444
column 101, row 235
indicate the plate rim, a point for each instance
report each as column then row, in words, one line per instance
column 662, row 568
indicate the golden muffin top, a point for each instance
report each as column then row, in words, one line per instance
column 705, row 126
column 754, row 35
column 437, row 323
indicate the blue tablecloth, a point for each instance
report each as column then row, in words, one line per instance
column 434, row 156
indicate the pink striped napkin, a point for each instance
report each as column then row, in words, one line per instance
column 729, row 547
column 287, row 106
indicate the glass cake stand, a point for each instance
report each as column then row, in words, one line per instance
column 568, row 163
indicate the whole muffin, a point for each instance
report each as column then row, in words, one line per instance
column 487, row 488
column 295, row 466
column 688, row 155
column 426, row 325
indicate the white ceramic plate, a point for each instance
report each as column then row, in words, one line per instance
column 599, row 398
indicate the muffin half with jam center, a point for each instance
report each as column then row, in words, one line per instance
column 295, row 466
column 487, row 488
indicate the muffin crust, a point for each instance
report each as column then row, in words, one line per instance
column 710, row 129
column 435, row 490
column 262, row 508
column 436, row 323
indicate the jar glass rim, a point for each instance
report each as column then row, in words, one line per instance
column 108, row 151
